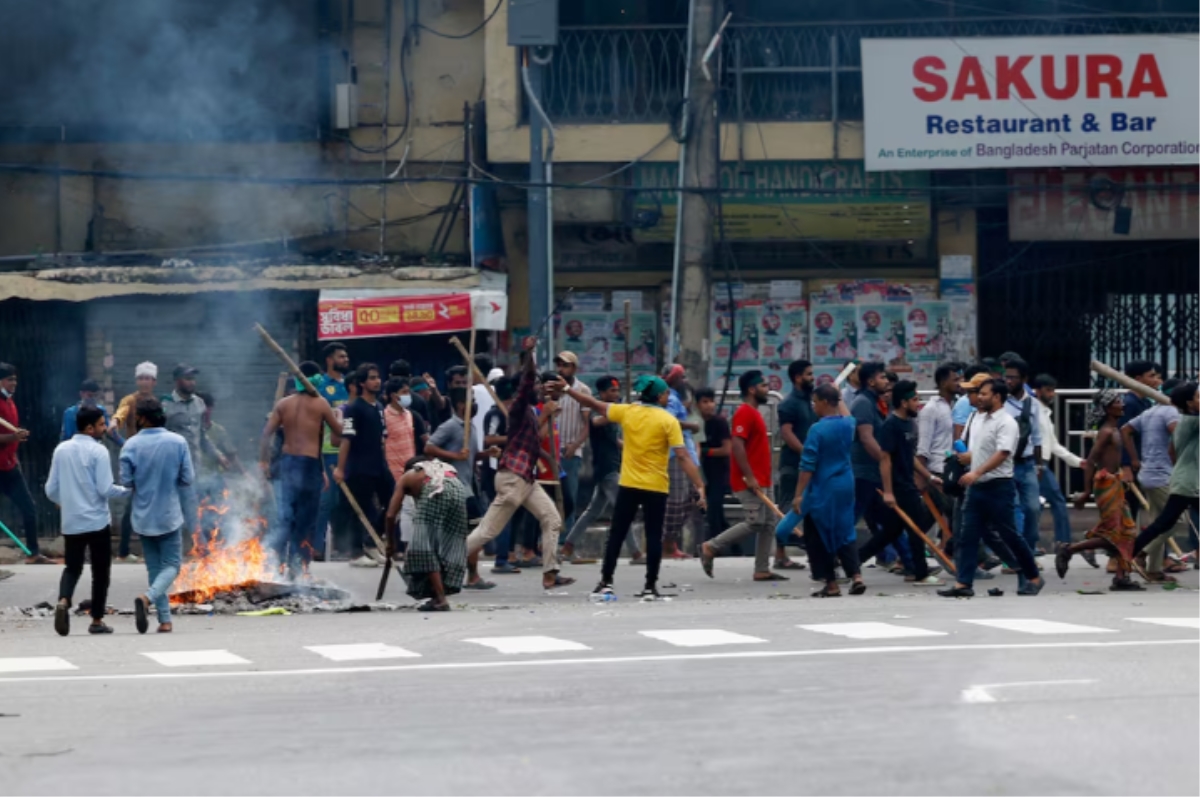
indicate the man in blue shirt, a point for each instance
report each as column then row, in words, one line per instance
column 81, row 483
column 332, row 387
column 1027, row 458
column 157, row 465
column 89, row 394
column 1148, row 373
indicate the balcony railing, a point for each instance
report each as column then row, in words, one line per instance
column 780, row 72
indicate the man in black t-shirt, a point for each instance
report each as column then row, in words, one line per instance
column 898, row 466
column 362, row 465
column 796, row 416
column 605, row 438
column 715, row 452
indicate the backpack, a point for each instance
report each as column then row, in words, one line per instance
column 955, row 470
column 1024, row 426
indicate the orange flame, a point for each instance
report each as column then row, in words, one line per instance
column 217, row 564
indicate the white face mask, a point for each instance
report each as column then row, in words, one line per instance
column 406, row 401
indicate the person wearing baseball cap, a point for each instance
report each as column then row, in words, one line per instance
column 573, row 424
column 89, row 396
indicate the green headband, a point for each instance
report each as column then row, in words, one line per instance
column 650, row 387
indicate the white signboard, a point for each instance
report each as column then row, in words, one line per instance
column 1042, row 101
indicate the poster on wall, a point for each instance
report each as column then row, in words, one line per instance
column 784, row 330
column 598, row 339
column 882, row 336
column 834, row 334
column 929, row 331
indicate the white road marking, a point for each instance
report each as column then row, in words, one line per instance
column 701, row 637
column 1033, row 626
column 484, row 665
column 870, row 630
column 195, row 658
column 1174, row 622
column 981, row 693
column 527, row 644
column 36, row 664
column 364, row 652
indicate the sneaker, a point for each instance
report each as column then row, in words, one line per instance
column 507, row 567
column 603, row 588
column 132, row 559
column 929, row 581
column 649, row 593
column 364, row 561
column 376, row 554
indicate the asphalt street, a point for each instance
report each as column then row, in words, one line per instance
column 730, row 687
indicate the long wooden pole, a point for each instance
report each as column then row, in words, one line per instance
column 287, row 360
column 945, row 527
column 937, row 552
column 467, row 410
column 456, row 343
column 1175, row 549
column 762, row 496
column 1126, row 382
column 628, row 362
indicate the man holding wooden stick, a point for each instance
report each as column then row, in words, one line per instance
column 362, row 466
column 12, row 481
column 749, row 477
column 898, row 469
column 515, row 485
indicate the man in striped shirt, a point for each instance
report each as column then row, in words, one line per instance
column 572, row 429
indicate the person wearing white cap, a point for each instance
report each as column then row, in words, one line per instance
column 124, row 426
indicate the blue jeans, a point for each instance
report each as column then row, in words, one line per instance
column 990, row 505
column 571, row 466
column 163, row 554
column 1050, row 490
column 1028, row 507
column 329, row 500
column 299, row 504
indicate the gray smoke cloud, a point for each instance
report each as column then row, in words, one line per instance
column 167, row 69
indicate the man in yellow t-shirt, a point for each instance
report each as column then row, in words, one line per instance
column 651, row 434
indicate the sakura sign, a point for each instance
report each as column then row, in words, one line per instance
column 975, row 103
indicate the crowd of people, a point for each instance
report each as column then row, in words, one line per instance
column 379, row 467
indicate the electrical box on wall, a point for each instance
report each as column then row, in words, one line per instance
column 532, row 23
column 345, row 110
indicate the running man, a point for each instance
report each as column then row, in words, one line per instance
column 1116, row 533
column 652, row 434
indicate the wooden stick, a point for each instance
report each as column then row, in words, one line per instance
column 845, row 374
column 362, row 518
column 1175, row 549
column 456, row 343
column 1131, row 384
column 945, row 527
column 628, row 363
column 762, row 496
column 937, row 552
column 467, row 410
column 287, row 360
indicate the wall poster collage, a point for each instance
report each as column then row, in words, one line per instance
column 597, row 336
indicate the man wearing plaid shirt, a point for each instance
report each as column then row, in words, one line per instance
column 515, row 485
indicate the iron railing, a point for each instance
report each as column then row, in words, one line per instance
column 778, row 72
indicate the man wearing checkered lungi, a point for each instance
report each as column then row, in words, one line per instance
column 681, row 501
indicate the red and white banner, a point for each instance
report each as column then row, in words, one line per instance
column 1077, row 204
column 384, row 316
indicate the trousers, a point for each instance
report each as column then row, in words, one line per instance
column 757, row 522
column 654, row 510
column 97, row 544
column 12, row 484
column 513, row 492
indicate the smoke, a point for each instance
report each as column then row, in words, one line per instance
column 199, row 86
column 167, row 70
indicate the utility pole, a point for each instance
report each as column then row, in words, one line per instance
column 540, row 300
column 698, row 211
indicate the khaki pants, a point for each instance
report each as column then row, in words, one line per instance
column 1155, row 551
column 513, row 492
column 757, row 522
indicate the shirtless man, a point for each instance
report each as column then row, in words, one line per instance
column 1116, row 532
column 302, row 418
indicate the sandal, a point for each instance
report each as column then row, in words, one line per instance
column 770, row 577
column 789, row 564
column 559, row 581
column 858, row 588
column 1171, row 566
column 827, row 592
column 1062, row 561
column 433, row 607
column 1161, row 578
column 1126, row 585
column 481, row 584
column 706, row 562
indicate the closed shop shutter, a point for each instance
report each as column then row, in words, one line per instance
column 213, row 332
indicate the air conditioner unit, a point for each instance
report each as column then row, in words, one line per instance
column 345, row 111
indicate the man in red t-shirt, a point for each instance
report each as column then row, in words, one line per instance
column 748, row 478
column 12, row 482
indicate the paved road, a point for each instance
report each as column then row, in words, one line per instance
column 732, row 687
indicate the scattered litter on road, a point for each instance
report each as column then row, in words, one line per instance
column 274, row 611
column 996, row 592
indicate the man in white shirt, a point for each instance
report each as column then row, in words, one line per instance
column 573, row 429
column 991, row 494
column 1043, row 388
column 81, row 483
column 935, row 422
